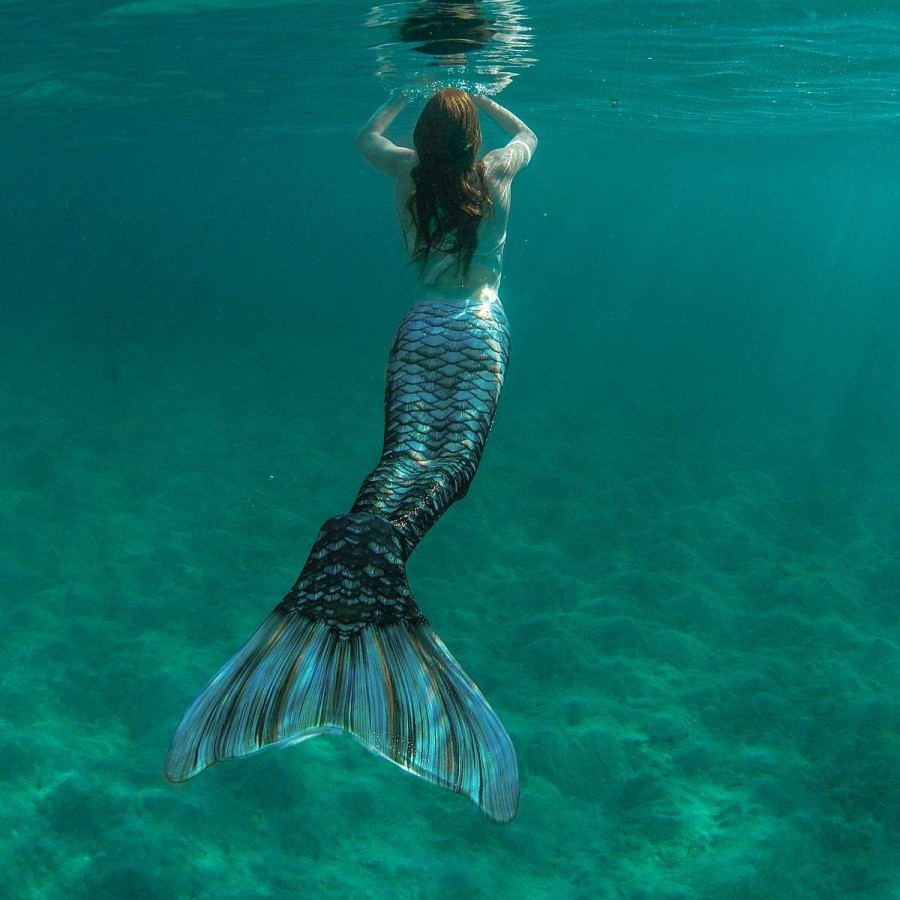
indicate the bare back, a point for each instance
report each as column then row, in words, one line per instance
column 440, row 273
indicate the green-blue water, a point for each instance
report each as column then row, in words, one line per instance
column 676, row 575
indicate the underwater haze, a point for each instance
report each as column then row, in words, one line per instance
column 676, row 576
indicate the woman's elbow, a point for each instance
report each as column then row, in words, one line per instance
column 362, row 141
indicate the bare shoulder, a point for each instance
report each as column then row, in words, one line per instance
column 398, row 163
column 405, row 161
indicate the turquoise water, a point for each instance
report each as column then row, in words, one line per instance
column 676, row 574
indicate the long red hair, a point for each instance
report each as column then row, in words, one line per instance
column 450, row 197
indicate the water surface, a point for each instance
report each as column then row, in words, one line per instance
column 676, row 574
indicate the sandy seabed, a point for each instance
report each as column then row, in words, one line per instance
column 693, row 645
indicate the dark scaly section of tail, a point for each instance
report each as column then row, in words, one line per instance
column 347, row 649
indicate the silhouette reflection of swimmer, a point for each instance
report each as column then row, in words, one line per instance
column 446, row 29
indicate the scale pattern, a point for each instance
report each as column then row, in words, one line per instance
column 348, row 649
column 444, row 379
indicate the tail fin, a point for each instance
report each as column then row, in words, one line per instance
column 348, row 650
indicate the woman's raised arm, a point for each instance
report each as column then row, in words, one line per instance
column 382, row 153
column 510, row 124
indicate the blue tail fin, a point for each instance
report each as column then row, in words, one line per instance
column 348, row 650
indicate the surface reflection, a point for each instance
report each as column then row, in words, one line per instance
column 477, row 46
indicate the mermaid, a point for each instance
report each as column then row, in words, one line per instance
column 347, row 649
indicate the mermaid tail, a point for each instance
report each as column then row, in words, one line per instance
column 348, row 649
column 443, row 384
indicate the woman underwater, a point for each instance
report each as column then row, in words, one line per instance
column 348, row 649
